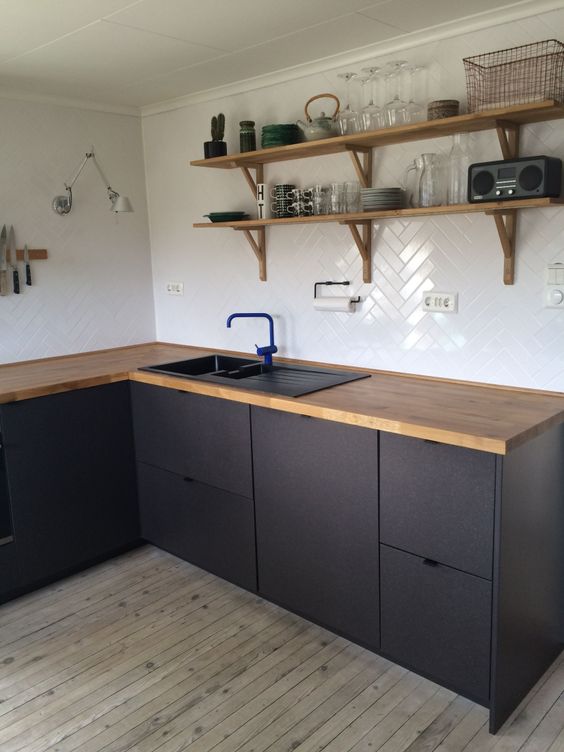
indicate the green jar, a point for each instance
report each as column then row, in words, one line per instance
column 247, row 136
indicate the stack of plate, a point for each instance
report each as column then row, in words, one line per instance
column 379, row 199
column 227, row 216
column 280, row 134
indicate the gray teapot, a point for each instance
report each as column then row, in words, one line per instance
column 323, row 126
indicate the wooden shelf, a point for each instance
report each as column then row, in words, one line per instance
column 505, row 121
column 490, row 207
column 476, row 121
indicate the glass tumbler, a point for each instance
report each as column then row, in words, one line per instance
column 336, row 199
column 319, row 199
column 352, row 197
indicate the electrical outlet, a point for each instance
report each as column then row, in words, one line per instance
column 440, row 302
column 175, row 288
column 554, row 297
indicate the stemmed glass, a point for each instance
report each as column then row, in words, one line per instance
column 348, row 119
column 395, row 108
column 371, row 114
column 414, row 112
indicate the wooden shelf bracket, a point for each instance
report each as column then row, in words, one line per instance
column 364, row 245
column 508, row 135
column 252, row 182
column 258, row 247
column 506, row 224
column 363, row 169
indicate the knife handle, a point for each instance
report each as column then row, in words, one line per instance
column 28, row 274
column 4, row 282
column 16, row 280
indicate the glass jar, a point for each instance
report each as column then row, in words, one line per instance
column 247, row 136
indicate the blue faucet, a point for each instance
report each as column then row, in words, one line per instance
column 268, row 350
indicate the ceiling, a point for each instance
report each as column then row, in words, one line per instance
column 138, row 53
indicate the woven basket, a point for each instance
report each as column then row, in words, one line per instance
column 530, row 73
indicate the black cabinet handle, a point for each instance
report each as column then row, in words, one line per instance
column 430, row 563
column 188, row 480
column 431, row 441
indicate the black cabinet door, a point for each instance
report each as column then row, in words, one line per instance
column 202, row 524
column 71, row 473
column 316, row 498
column 437, row 501
column 437, row 620
column 10, row 576
column 205, row 438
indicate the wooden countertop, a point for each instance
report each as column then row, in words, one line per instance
column 484, row 417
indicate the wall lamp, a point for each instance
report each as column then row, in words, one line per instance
column 63, row 204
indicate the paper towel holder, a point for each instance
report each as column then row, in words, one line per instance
column 329, row 282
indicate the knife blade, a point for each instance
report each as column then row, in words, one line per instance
column 27, row 266
column 14, row 259
column 3, row 263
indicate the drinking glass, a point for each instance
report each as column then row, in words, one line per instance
column 336, row 199
column 319, row 199
column 371, row 113
column 348, row 119
column 395, row 108
column 414, row 111
column 352, row 197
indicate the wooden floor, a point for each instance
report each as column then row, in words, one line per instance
column 146, row 652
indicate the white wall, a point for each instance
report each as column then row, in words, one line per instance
column 95, row 289
column 501, row 334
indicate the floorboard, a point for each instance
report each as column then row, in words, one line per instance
column 147, row 653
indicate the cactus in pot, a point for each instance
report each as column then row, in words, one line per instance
column 217, row 146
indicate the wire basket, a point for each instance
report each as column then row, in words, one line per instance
column 530, row 73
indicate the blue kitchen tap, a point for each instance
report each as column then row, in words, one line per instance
column 268, row 350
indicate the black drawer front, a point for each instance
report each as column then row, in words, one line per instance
column 205, row 438
column 207, row 526
column 437, row 501
column 10, row 577
column 436, row 620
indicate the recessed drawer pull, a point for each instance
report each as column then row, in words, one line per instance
column 431, row 441
column 430, row 563
column 188, row 480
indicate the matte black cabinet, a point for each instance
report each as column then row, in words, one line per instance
column 71, row 475
column 208, row 526
column 204, row 438
column 316, row 498
column 437, row 620
column 195, row 479
column 437, row 501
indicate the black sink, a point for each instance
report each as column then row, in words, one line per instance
column 291, row 381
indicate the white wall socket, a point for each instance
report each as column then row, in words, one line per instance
column 440, row 302
column 175, row 288
column 554, row 290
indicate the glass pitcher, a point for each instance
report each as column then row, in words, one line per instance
column 431, row 181
column 410, row 183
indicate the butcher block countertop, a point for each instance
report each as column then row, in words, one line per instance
column 477, row 416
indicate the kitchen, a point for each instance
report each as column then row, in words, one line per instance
column 265, row 617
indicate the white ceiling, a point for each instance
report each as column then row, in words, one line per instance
column 137, row 53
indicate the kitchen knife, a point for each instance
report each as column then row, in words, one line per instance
column 27, row 266
column 14, row 260
column 3, row 263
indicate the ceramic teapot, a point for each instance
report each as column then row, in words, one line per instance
column 323, row 126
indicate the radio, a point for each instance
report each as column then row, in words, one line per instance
column 528, row 177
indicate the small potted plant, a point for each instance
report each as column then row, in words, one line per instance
column 217, row 146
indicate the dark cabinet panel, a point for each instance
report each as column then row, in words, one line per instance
column 205, row 438
column 436, row 620
column 199, row 523
column 10, row 576
column 71, row 474
column 437, row 501
column 316, row 497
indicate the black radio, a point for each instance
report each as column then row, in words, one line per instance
column 528, row 177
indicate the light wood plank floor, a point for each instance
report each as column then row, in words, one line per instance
column 146, row 652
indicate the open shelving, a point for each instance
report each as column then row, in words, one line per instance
column 505, row 121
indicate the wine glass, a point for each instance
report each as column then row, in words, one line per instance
column 347, row 119
column 395, row 108
column 371, row 114
column 414, row 112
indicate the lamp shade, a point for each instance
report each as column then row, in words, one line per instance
column 121, row 204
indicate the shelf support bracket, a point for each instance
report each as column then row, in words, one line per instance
column 252, row 182
column 363, row 169
column 364, row 245
column 258, row 247
column 507, row 231
column 508, row 135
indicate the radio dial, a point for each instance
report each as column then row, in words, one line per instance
column 511, row 191
column 498, row 192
